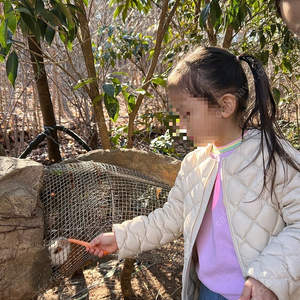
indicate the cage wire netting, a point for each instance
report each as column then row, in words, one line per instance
column 83, row 199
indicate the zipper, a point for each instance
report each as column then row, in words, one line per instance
column 230, row 225
column 201, row 212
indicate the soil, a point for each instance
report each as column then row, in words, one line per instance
column 156, row 275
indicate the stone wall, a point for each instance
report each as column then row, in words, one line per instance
column 24, row 262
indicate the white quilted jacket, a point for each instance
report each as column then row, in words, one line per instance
column 265, row 231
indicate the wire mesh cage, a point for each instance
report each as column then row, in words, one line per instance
column 84, row 199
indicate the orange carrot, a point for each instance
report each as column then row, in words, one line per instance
column 85, row 244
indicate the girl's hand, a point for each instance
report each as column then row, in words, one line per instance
column 105, row 243
column 254, row 289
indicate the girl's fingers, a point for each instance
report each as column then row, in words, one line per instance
column 96, row 241
column 102, row 253
column 98, row 252
column 91, row 250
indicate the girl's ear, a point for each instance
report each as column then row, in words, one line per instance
column 228, row 104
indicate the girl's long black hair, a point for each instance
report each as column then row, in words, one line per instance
column 263, row 117
column 214, row 71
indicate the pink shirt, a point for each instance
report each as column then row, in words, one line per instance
column 218, row 267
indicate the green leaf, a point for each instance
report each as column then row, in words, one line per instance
column 276, row 95
column 3, row 53
column 160, row 81
column 264, row 57
column 62, row 37
column 43, row 26
column 215, row 12
column 24, row 10
column 204, row 15
column 143, row 92
column 151, row 53
column 118, row 73
column 8, row 9
column 166, row 37
column 118, row 89
column 50, row 17
column 39, row 6
column 28, row 7
column 3, row 34
column 262, row 40
column 49, row 34
column 74, row 7
column 249, row 11
column 288, row 66
column 23, row 27
column 125, row 94
column 112, row 107
column 98, row 98
column 115, row 139
column 10, row 16
column 84, row 82
column 70, row 45
column 12, row 23
column 61, row 17
column 273, row 29
column 72, row 33
column 86, row 3
column 109, row 89
column 275, row 49
column 12, row 67
column 118, row 10
column 115, row 80
column 66, row 12
column 131, row 103
column 31, row 25
column 125, row 11
column 110, row 31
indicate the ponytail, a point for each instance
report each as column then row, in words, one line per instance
column 263, row 117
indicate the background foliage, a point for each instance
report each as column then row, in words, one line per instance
column 134, row 44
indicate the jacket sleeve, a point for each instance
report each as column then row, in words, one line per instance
column 278, row 266
column 160, row 227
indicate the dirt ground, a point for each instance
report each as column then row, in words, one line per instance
column 156, row 275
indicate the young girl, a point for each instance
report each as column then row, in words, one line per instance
column 237, row 199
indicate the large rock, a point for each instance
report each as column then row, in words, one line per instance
column 24, row 263
column 161, row 167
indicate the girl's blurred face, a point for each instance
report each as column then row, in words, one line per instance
column 200, row 121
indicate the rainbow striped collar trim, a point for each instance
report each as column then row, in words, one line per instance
column 228, row 147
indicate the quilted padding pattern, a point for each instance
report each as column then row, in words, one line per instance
column 265, row 230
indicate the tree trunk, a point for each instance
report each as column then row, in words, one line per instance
column 126, row 274
column 228, row 37
column 86, row 47
column 37, row 62
column 164, row 22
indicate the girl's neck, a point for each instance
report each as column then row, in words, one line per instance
column 228, row 136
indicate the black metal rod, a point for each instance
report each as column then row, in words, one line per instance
column 46, row 133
